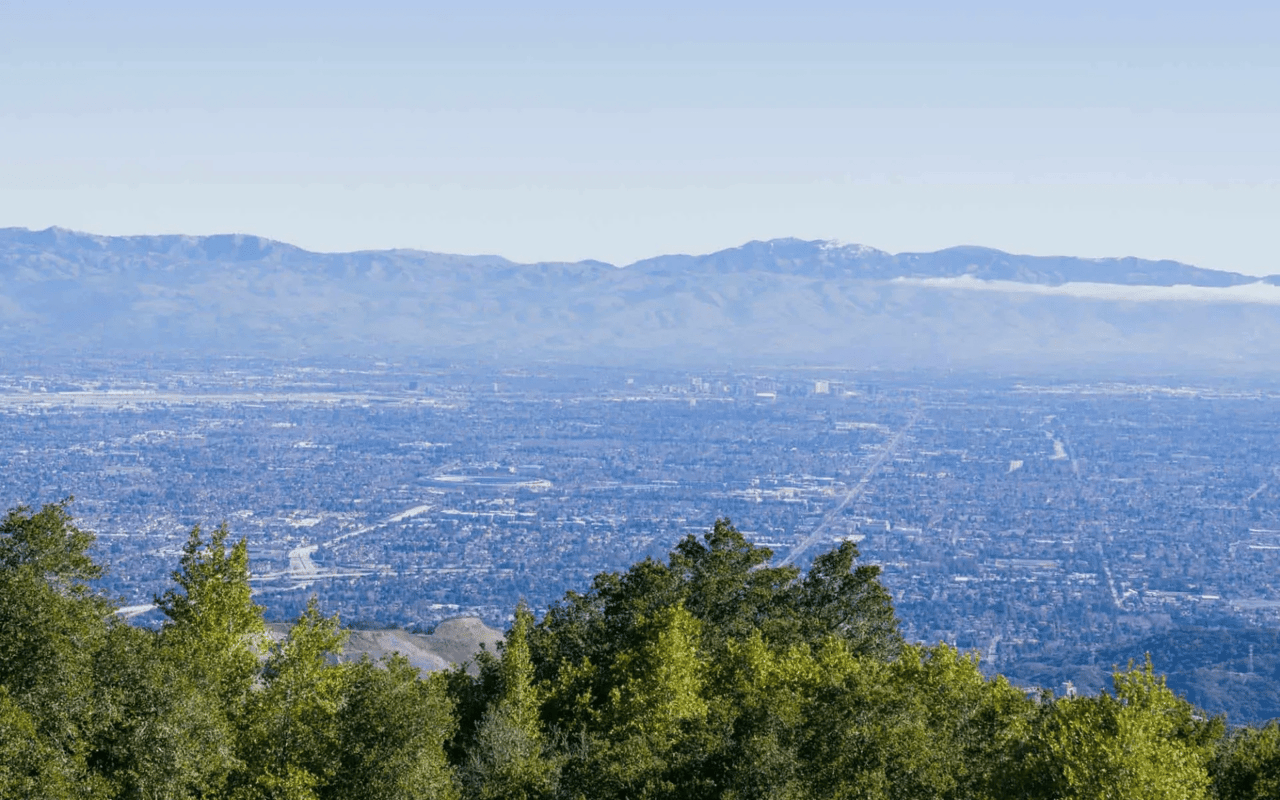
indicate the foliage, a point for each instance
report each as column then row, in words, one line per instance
column 727, row 584
column 392, row 732
column 162, row 737
column 838, row 598
column 1143, row 742
column 712, row 674
column 289, row 740
column 639, row 743
column 29, row 766
column 508, row 757
column 212, row 621
column 51, row 625
column 1247, row 764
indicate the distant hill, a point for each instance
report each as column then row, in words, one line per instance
column 453, row 642
column 834, row 261
column 786, row 300
column 1232, row 671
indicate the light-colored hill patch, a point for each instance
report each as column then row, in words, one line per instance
column 454, row 641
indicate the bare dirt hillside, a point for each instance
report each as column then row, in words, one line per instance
column 454, row 641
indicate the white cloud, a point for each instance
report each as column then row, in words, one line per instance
column 1257, row 293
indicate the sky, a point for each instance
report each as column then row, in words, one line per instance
column 573, row 130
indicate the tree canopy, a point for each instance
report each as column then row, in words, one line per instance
column 711, row 674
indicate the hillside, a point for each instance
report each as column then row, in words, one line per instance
column 1231, row 671
column 454, row 642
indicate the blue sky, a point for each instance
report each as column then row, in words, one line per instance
column 575, row 130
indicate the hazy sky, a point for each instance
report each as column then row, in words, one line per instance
column 560, row 130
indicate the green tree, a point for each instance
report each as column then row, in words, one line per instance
column 761, row 699
column 1143, row 743
column 52, row 622
column 1247, row 764
column 645, row 741
column 587, row 648
column 213, row 622
column 163, row 738
column 967, row 725
column 726, row 583
column 393, row 729
column 290, row 744
column 508, row 756
column 657, row 686
column 29, row 766
column 864, row 736
column 722, row 580
column 838, row 598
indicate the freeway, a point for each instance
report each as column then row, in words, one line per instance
column 854, row 492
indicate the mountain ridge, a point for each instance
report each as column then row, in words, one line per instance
column 861, row 261
column 776, row 301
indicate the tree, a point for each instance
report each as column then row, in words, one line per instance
column 590, row 650
column 29, row 766
column 508, row 757
column 393, row 728
column 866, row 734
column 760, row 700
column 727, row 583
column 657, row 686
column 290, row 744
column 968, row 726
column 644, row 739
column 835, row 597
column 212, row 620
column 1247, row 764
column 1143, row 743
column 215, row 635
column 162, row 737
column 52, row 622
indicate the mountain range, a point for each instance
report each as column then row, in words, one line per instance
column 771, row 302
